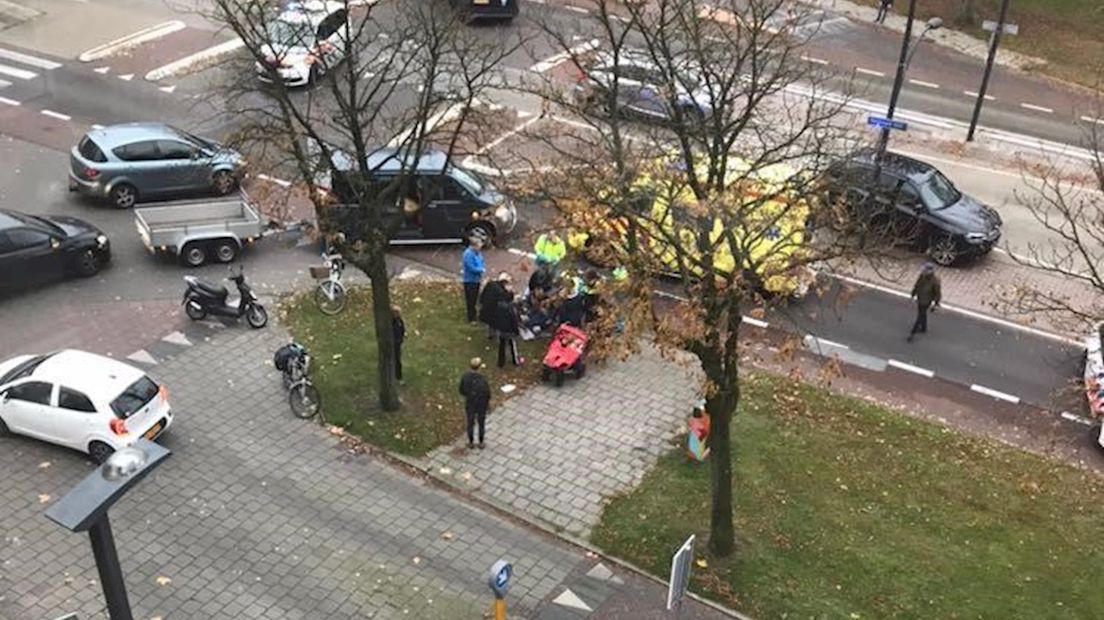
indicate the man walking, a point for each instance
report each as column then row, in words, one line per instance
column 477, row 398
column 883, row 9
column 471, row 275
column 928, row 293
column 398, row 331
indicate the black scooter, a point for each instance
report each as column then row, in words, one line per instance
column 202, row 298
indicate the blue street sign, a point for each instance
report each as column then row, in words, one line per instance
column 886, row 123
column 499, row 580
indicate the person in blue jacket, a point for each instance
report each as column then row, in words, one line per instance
column 471, row 276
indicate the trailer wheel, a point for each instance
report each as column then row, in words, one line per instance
column 193, row 254
column 225, row 250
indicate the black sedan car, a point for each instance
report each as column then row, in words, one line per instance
column 35, row 249
column 915, row 203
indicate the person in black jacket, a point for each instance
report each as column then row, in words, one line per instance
column 477, row 398
column 493, row 293
column 398, row 330
column 507, row 323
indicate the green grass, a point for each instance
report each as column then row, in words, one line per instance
column 848, row 510
column 1068, row 34
column 439, row 343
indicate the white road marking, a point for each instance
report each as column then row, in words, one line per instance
column 177, row 338
column 431, row 123
column 142, row 356
column 924, row 372
column 981, row 389
column 126, row 78
column 183, row 64
column 869, row 72
column 754, row 322
column 924, row 84
column 1037, row 108
column 280, row 182
column 571, row 52
column 102, row 70
column 31, row 61
column 22, row 74
column 1076, row 418
column 830, row 343
column 52, row 114
column 1089, row 119
column 816, row 61
column 4, row 83
column 6, row 101
column 970, row 93
column 167, row 89
column 130, row 40
column 577, row 9
column 97, row 126
column 963, row 311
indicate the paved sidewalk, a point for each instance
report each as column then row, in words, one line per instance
column 556, row 454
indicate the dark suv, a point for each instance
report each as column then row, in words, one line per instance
column 915, row 203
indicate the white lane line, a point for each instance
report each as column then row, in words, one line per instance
column 1089, row 119
column 830, row 343
column 277, row 181
column 6, row 101
column 750, row 320
column 1076, row 418
column 14, row 72
column 970, row 93
column 57, row 115
column 142, row 356
column 577, row 9
column 97, row 126
column 571, row 52
column 183, row 64
column 1037, row 108
column 102, row 70
column 177, row 338
column 924, row 372
column 963, row 311
column 924, row 84
column 126, row 78
column 869, row 72
column 521, row 253
column 30, row 61
column 981, row 389
column 4, row 83
column 816, row 61
column 134, row 38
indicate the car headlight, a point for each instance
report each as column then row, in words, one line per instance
column 101, row 240
column 506, row 215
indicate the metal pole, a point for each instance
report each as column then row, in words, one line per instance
column 994, row 41
column 111, row 574
column 899, row 80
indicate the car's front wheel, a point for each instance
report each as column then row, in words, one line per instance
column 88, row 263
column 99, row 451
column 223, row 182
column 943, row 250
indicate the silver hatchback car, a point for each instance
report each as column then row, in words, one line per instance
column 141, row 160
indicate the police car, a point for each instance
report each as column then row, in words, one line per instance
column 304, row 42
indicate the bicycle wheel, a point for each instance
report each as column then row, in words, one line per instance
column 329, row 295
column 305, row 400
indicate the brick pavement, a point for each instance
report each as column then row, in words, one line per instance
column 556, row 454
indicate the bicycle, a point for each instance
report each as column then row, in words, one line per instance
column 330, row 294
column 303, row 398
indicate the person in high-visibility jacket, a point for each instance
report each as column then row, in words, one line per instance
column 550, row 248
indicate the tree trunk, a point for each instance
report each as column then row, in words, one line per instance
column 385, row 338
column 721, row 407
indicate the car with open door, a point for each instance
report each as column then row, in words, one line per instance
column 36, row 249
column 304, row 42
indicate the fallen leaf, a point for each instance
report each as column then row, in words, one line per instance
column 44, row 464
column 416, row 560
column 701, row 563
column 163, row 581
column 447, row 536
column 509, row 387
column 43, row 498
column 445, row 471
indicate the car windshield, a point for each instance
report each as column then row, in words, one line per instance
column 468, row 179
column 134, row 397
column 196, row 140
column 24, row 369
column 48, row 224
column 938, row 192
column 284, row 34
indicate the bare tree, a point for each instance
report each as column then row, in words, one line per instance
column 407, row 80
column 717, row 187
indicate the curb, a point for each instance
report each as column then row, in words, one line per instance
column 130, row 40
column 177, row 67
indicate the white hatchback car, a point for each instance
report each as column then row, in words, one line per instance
column 304, row 41
column 1094, row 376
column 81, row 400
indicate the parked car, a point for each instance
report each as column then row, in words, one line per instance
column 35, row 248
column 640, row 88
column 129, row 162
column 478, row 10
column 82, row 401
column 303, row 42
column 1094, row 377
column 443, row 202
column 915, row 203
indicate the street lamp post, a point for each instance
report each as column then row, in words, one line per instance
column 84, row 509
column 907, row 51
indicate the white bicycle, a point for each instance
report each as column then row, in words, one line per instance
column 330, row 295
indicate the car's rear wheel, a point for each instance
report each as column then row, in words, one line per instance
column 943, row 250
column 87, row 263
column 223, row 182
column 193, row 254
column 124, row 195
column 99, row 451
column 225, row 250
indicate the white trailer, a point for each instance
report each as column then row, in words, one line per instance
column 199, row 231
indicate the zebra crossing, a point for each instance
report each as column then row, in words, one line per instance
column 17, row 66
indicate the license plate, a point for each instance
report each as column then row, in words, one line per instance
column 152, row 432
